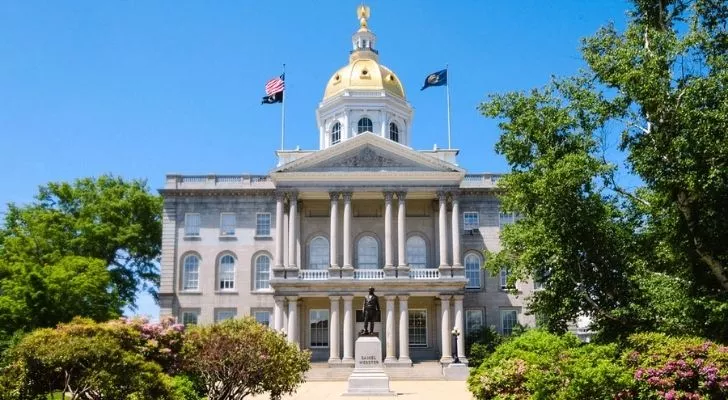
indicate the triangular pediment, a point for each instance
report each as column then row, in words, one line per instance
column 367, row 153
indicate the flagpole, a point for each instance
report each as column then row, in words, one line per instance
column 283, row 111
column 447, row 86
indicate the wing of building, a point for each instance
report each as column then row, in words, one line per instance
column 298, row 248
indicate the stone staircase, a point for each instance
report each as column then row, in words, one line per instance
column 420, row 371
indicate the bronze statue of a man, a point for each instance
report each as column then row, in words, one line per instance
column 371, row 310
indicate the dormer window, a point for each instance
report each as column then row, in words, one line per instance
column 336, row 133
column 393, row 132
column 365, row 125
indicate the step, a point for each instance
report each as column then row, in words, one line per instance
column 423, row 371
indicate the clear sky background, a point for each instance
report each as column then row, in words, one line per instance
column 144, row 88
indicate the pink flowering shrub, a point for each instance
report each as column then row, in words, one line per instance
column 677, row 368
column 159, row 342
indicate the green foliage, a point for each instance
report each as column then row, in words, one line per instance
column 480, row 344
column 634, row 260
column 539, row 365
column 109, row 219
column 237, row 358
column 183, row 388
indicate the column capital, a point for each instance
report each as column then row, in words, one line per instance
column 280, row 195
column 403, row 297
column 334, row 196
column 458, row 297
column 445, row 297
column 348, row 297
column 292, row 196
column 390, row 297
column 455, row 196
column 346, row 196
column 292, row 298
column 442, row 195
column 388, row 197
column 334, row 298
column 279, row 298
column 401, row 195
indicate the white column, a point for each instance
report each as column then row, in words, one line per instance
column 284, row 316
column 347, row 230
column 292, row 225
column 460, row 325
column 401, row 229
column 391, row 341
column 404, row 330
column 388, row 255
column 333, row 233
column 442, row 213
column 278, row 313
column 280, row 197
column 334, row 357
column 445, row 330
column 456, row 252
column 293, row 327
column 348, row 330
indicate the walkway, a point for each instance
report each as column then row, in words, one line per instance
column 406, row 390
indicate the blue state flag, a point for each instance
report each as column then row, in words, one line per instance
column 438, row 78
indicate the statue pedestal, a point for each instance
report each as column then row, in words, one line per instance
column 456, row 372
column 368, row 377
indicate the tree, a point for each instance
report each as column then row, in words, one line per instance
column 237, row 358
column 109, row 219
column 602, row 249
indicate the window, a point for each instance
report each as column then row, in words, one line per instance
column 509, row 319
column 189, row 317
column 367, row 256
column 224, row 314
column 191, row 273
column 416, row 252
column 336, row 133
column 364, row 125
column 540, row 277
column 417, row 328
column 504, row 279
column 472, row 271
column 262, row 224
column 473, row 321
column 393, row 132
column 471, row 220
column 192, row 224
column 226, row 272
column 262, row 272
column 227, row 224
column 507, row 218
column 318, row 255
column 319, row 320
column 262, row 317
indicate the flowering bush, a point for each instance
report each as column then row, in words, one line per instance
column 677, row 368
column 159, row 342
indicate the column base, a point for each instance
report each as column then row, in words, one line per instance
column 347, row 272
column 292, row 273
column 334, row 361
column 390, row 271
column 334, row 272
column 403, row 272
column 445, row 271
column 395, row 363
column 446, row 360
column 349, row 362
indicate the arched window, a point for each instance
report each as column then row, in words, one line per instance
column 416, row 252
column 365, row 125
column 394, row 132
column 367, row 253
column 472, row 271
column 262, row 272
column 191, row 273
column 336, row 133
column 318, row 253
column 226, row 272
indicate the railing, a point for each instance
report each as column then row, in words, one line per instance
column 218, row 181
column 368, row 274
column 424, row 273
column 480, row 180
column 313, row 275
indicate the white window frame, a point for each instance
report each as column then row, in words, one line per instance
column 192, row 230
column 258, row 231
column 184, row 314
column 507, row 218
column 503, row 279
column 393, row 132
column 318, row 332
column 410, row 328
column 186, row 275
column 477, row 275
column 359, row 253
column 318, row 264
column 359, row 125
column 411, row 256
column 222, row 314
column 472, row 225
column 468, row 326
column 335, row 131
column 258, row 313
column 227, row 228
column 222, row 283
column 256, row 278
column 503, row 313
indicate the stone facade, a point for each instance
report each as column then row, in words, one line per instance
column 299, row 247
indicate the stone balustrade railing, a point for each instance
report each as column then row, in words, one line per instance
column 480, row 181
column 424, row 273
column 243, row 181
column 368, row 274
column 313, row 275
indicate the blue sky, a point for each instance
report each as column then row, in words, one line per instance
column 144, row 88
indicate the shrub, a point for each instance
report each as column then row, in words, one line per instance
column 241, row 357
column 480, row 344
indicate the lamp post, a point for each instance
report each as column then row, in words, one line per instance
column 455, row 333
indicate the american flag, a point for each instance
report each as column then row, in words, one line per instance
column 275, row 85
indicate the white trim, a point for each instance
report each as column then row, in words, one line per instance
column 199, row 225
column 222, row 224
column 328, row 328
column 229, row 312
column 270, row 224
column 502, row 312
column 427, row 331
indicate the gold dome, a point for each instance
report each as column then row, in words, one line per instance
column 364, row 74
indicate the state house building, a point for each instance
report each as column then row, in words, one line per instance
column 299, row 247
